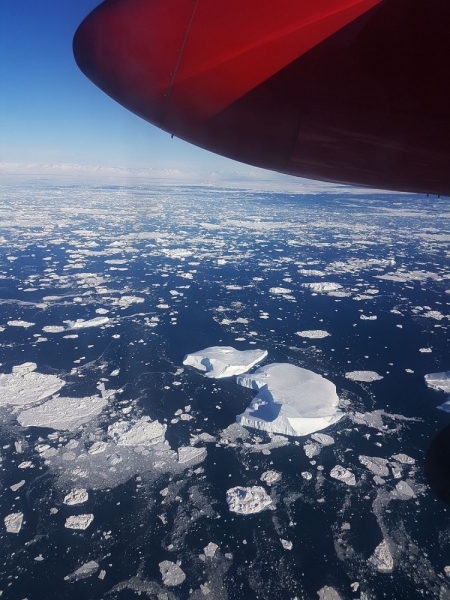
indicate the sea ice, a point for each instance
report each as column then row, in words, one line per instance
column 290, row 400
column 403, row 491
column 343, row 475
column 53, row 328
column 439, row 381
column 171, row 573
column 17, row 486
column 83, row 572
column 25, row 368
column 210, row 550
column 62, row 413
column 13, row 522
column 313, row 334
column 22, row 389
column 377, row 465
column 323, row 439
column 382, row 559
column 328, row 593
column 270, row 477
column 322, row 286
column 79, row 521
column 190, row 454
column 78, row 496
column 82, row 324
column 143, row 432
column 20, row 323
column 404, row 459
column 365, row 376
column 248, row 500
column 224, row 361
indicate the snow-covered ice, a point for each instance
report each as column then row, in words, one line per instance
column 24, row 368
column 190, row 454
column 210, row 550
column 79, row 521
column 224, row 361
column 77, row 496
column 342, row 474
column 290, row 400
column 248, row 500
column 143, row 432
column 439, row 381
column 171, row 573
column 22, row 389
column 328, row 593
column 53, row 328
column 13, row 522
column 313, row 334
column 62, row 413
column 378, row 466
column 366, row 376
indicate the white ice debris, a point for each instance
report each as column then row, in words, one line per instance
column 377, row 465
column 366, row 376
column 248, row 500
column 314, row 334
column 270, row 477
column 13, row 522
column 190, row 454
column 82, row 324
column 322, row 286
column 328, row 593
column 143, row 432
column 79, row 521
column 171, row 573
column 224, row 361
column 290, row 400
column 24, row 368
column 382, row 559
column 77, row 496
column 62, row 413
column 86, row 570
column 22, row 389
column 342, row 474
column 439, row 381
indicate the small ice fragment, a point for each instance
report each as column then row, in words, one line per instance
column 210, row 550
column 102, row 574
column 16, row 486
column 313, row 334
column 270, row 477
column 171, row 573
column 190, row 454
column 20, row 323
column 328, row 593
column 24, row 368
column 97, row 447
column 366, row 376
column 26, row 464
column 447, row 571
column 39, row 558
column 280, row 290
column 114, row 373
column 224, row 361
column 77, row 496
column 86, row 570
column 382, row 559
column 342, row 474
column 286, row 544
column 13, row 522
column 248, row 500
column 79, row 521
column 306, row 475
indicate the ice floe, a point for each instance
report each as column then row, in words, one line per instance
column 322, row 286
column 13, row 522
column 271, row 477
column 82, row 324
column 248, row 500
column 79, row 521
column 24, row 368
column 86, row 570
column 77, row 496
column 328, row 593
column 53, row 328
column 21, row 389
column 365, row 376
column 224, row 361
column 378, row 466
column 188, row 454
column 143, row 432
column 314, row 334
column 439, row 381
column 323, row 439
column 290, row 400
column 172, row 574
column 382, row 559
column 342, row 474
column 62, row 413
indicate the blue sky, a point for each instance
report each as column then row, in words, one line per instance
column 50, row 113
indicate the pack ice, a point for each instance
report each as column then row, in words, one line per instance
column 290, row 400
column 224, row 361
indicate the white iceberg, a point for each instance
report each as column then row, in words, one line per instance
column 82, row 324
column 248, row 500
column 224, row 361
column 439, row 381
column 290, row 400
column 77, row 496
column 62, row 413
column 322, row 286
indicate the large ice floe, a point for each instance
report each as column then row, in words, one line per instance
column 224, row 361
column 62, row 413
column 24, row 386
column 290, row 400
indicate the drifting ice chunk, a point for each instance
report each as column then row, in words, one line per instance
column 190, row 454
column 291, row 400
column 248, row 500
column 382, row 559
column 224, row 361
column 144, row 432
column 343, row 475
column 210, row 550
column 171, row 573
column 323, row 286
column 78, row 496
column 25, row 368
column 13, row 522
column 378, row 466
column 271, row 477
column 439, row 381
column 62, row 413
column 79, row 521
column 323, row 439
column 314, row 334
column 82, row 324
column 19, row 390
column 365, row 376
column 404, row 459
column 403, row 491
column 83, row 572
column 328, row 593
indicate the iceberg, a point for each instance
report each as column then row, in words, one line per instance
column 439, row 381
column 224, row 361
column 290, row 400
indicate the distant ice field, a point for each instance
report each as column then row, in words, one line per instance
column 124, row 473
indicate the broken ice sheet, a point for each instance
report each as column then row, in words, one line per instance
column 291, row 400
column 224, row 361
